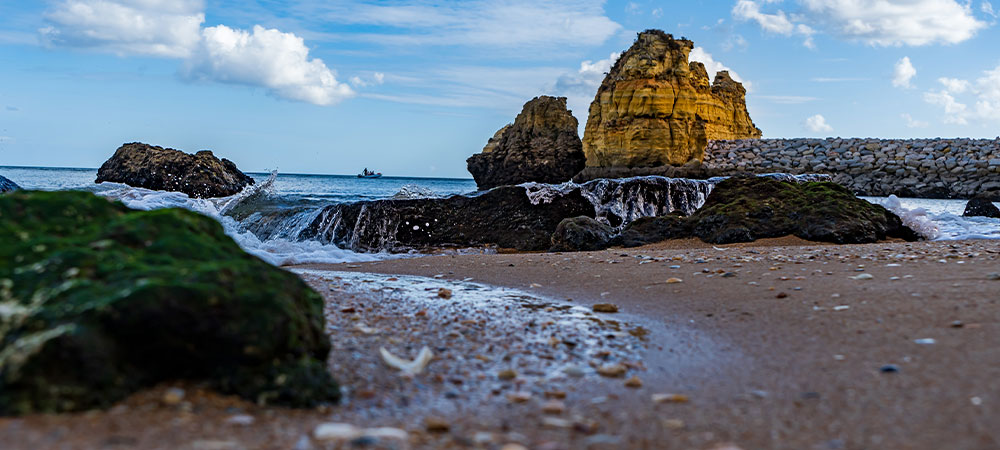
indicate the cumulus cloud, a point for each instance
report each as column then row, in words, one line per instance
column 874, row 22
column 167, row 28
column 713, row 67
column 261, row 57
column 987, row 8
column 956, row 96
column 913, row 123
column 903, row 72
column 580, row 87
column 376, row 78
column 817, row 124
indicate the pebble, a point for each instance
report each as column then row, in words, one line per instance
column 336, row 432
column 240, row 419
column 436, row 425
column 605, row 308
column 841, row 308
column 864, row 276
column 781, row 295
column 553, row 407
column 889, row 368
column 518, row 397
column 387, row 433
column 728, row 275
column 669, row 398
column 925, row 341
column 993, row 276
column 674, row 280
column 444, row 293
column 513, row 447
column 555, row 394
column 612, row 370
column 173, row 396
column 507, row 374
column 673, row 424
column 573, row 371
column 633, row 382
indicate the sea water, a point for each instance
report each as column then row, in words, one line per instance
column 297, row 199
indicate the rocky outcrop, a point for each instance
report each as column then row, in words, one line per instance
column 981, row 207
column 581, row 234
column 98, row 301
column 744, row 209
column 6, row 185
column 200, row 175
column 655, row 107
column 542, row 145
column 505, row 217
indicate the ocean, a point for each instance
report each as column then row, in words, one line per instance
column 267, row 218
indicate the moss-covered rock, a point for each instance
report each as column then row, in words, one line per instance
column 744, row 209
column 97, row 301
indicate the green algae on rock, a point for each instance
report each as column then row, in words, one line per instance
column 744, row 209
column 98, row 301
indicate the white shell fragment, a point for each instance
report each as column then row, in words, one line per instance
column 409, row 367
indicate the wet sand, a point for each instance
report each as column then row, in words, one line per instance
column 779, row 344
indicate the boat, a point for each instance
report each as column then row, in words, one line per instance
column 369, row 174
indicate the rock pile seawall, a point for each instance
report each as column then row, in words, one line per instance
column 927, row 168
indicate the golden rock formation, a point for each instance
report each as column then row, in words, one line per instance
column 656, row 108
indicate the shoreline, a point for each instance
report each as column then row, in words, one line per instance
column 758, row 371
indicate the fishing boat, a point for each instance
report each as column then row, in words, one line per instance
column 369, row 174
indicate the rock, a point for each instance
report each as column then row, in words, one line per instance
column 444, row 293
column 200, row 175
column 542, row 145
column 6, row 185
column 605, row 308
column 981, row 207
column 633, row 382
column 336, row 432
column 507, row 374
column 172, row 396
column 612, row 370
column 437, row 425
column 669, row 398
column 553, row 407
column 655, row 108
column 118, row 300
column 503, row 217
column 744, row 209
column 581, row 234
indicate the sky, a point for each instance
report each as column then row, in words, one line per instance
column 413, row 88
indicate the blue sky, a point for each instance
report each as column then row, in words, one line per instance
column 415, row 87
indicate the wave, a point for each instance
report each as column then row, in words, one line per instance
column 276, row 228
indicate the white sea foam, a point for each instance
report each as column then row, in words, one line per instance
column 944, row 217
column 277, row 251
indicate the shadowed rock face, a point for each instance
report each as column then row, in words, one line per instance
column 656, row 108
column 542, row 145
column 200, row 175
column 981, row 207
column 6, row 185
column 503, row 217
column 744, row 209
column 117, row 300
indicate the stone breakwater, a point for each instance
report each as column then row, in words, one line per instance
column 929, row 168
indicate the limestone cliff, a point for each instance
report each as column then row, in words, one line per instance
column 656, row 108
column 542, row 145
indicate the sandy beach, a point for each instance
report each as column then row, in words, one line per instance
column 777, row 344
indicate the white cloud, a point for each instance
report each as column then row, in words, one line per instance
column 912, row 123
column 787, row 99
column 954, row 85
column 713, row 67
column 987, row 8
column 268, row 58
column 983, row 93
column 874, row 22
column 817, row 124
column 903, row 72
column 167, row 28
column 580, row 87
column 376, row 78
column 777, row 23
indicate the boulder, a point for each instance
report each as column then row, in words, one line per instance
column 981, row 207
column 581, row 234
column 505, row 217
column 744, row 209
column 6, row 185
column 201, row 175
column 98, row 301
column 656, row 108
column 542, row 145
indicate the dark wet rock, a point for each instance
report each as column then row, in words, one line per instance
column 981, row 207
column 542, row 145
column 6, row 185
column 201, row 175
column 649, row 230
column 503, row 217
column 744, row 209
column 581, row 234
column 99, row 301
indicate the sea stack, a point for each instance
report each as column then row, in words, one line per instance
column 6, row 185
column 542, row 145
column 201, row 175
column 655, row 108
